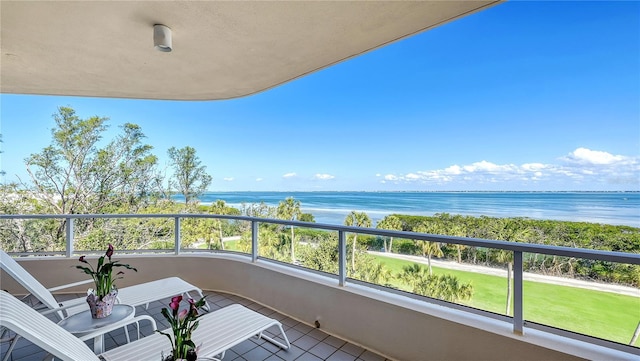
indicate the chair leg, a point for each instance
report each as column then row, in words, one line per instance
column 277, row 343
column 13, row 343
column 126, row 333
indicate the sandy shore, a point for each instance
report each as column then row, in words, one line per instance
column 605, row 287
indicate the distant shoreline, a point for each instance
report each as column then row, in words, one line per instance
column 331, row 207
column 360, row 191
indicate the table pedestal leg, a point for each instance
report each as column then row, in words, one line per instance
column 98, row 344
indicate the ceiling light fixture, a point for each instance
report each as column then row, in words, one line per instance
column 162, row 38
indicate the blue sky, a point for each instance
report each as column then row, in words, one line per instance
column 525, row 96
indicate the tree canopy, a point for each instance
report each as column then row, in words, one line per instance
column 190, row 176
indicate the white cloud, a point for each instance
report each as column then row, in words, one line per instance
column 454, row 169
column 533, row 167
column 289, row 175
column 258, row 179
column 580, row 167
column 488, row 167
column 323, row 176
column 588, row 156
column 228, row 179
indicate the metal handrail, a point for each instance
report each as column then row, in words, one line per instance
column 517, row 248
column 610, row 256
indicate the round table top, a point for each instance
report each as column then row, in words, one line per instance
column 83, row 322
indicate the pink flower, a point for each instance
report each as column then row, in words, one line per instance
column 175, row 302
column 193, row 309
column 82, row 259
column 183, row 314
column 109, row 251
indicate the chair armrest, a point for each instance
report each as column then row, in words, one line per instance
column 61, row 308
column 61, row 287
column 117, row 325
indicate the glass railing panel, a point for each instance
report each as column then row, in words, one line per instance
column 125, row 234
column 27, row 235
column 423, row 268
column 593, row 298
column 317, row 249
column 312, row 248
column 212, row 233
column 226, row 235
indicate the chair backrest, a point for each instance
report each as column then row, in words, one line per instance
column 28, row 323
column 15, row 270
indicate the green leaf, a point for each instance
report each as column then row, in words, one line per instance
column 100, row 262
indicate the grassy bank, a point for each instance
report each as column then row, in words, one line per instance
column 602, row 314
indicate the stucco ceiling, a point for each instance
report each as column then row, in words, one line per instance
column 221, row 49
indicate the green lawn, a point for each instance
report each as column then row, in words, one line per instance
column 601, row 314
column 595, row 313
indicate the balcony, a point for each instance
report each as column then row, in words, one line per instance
column 307, row 343
column 358, row 320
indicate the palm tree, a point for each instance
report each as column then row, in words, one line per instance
column 444, row 287
column 219, row 207
column 289, row 209
column 458, row 231
column 453, row 290
column 414, row 275
column 429, row 248
column 505, row 256
column 513, row 231
column 389, row 222
column 356, row 219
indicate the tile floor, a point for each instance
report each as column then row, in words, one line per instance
column 307, row 343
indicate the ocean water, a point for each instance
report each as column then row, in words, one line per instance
column 616, row 208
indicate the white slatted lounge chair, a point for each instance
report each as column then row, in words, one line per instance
column 35, row 327
column 137, row 295
column 218, row 332
column 141, row 294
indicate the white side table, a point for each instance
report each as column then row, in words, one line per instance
column 82, row 324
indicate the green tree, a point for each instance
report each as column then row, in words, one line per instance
column 323, row 256
column 513, row 231
column 260, row 210
column 390, row 222
column 190, row 176
column 307, row 217
column 24, row 235
column 453, row 226
column 429, row 248
column 444, row 287
column 220, row 207
column 356, row 219
column 289, row 209
column 73, row 175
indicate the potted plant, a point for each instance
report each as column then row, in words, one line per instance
column 102, row 298
column 183, row 323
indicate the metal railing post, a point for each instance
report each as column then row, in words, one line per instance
column 518, row 275
column 178, row 235
column 69, row 236
column 342, row 258
column 254, row 241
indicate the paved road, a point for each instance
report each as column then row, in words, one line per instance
column 605, row 287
